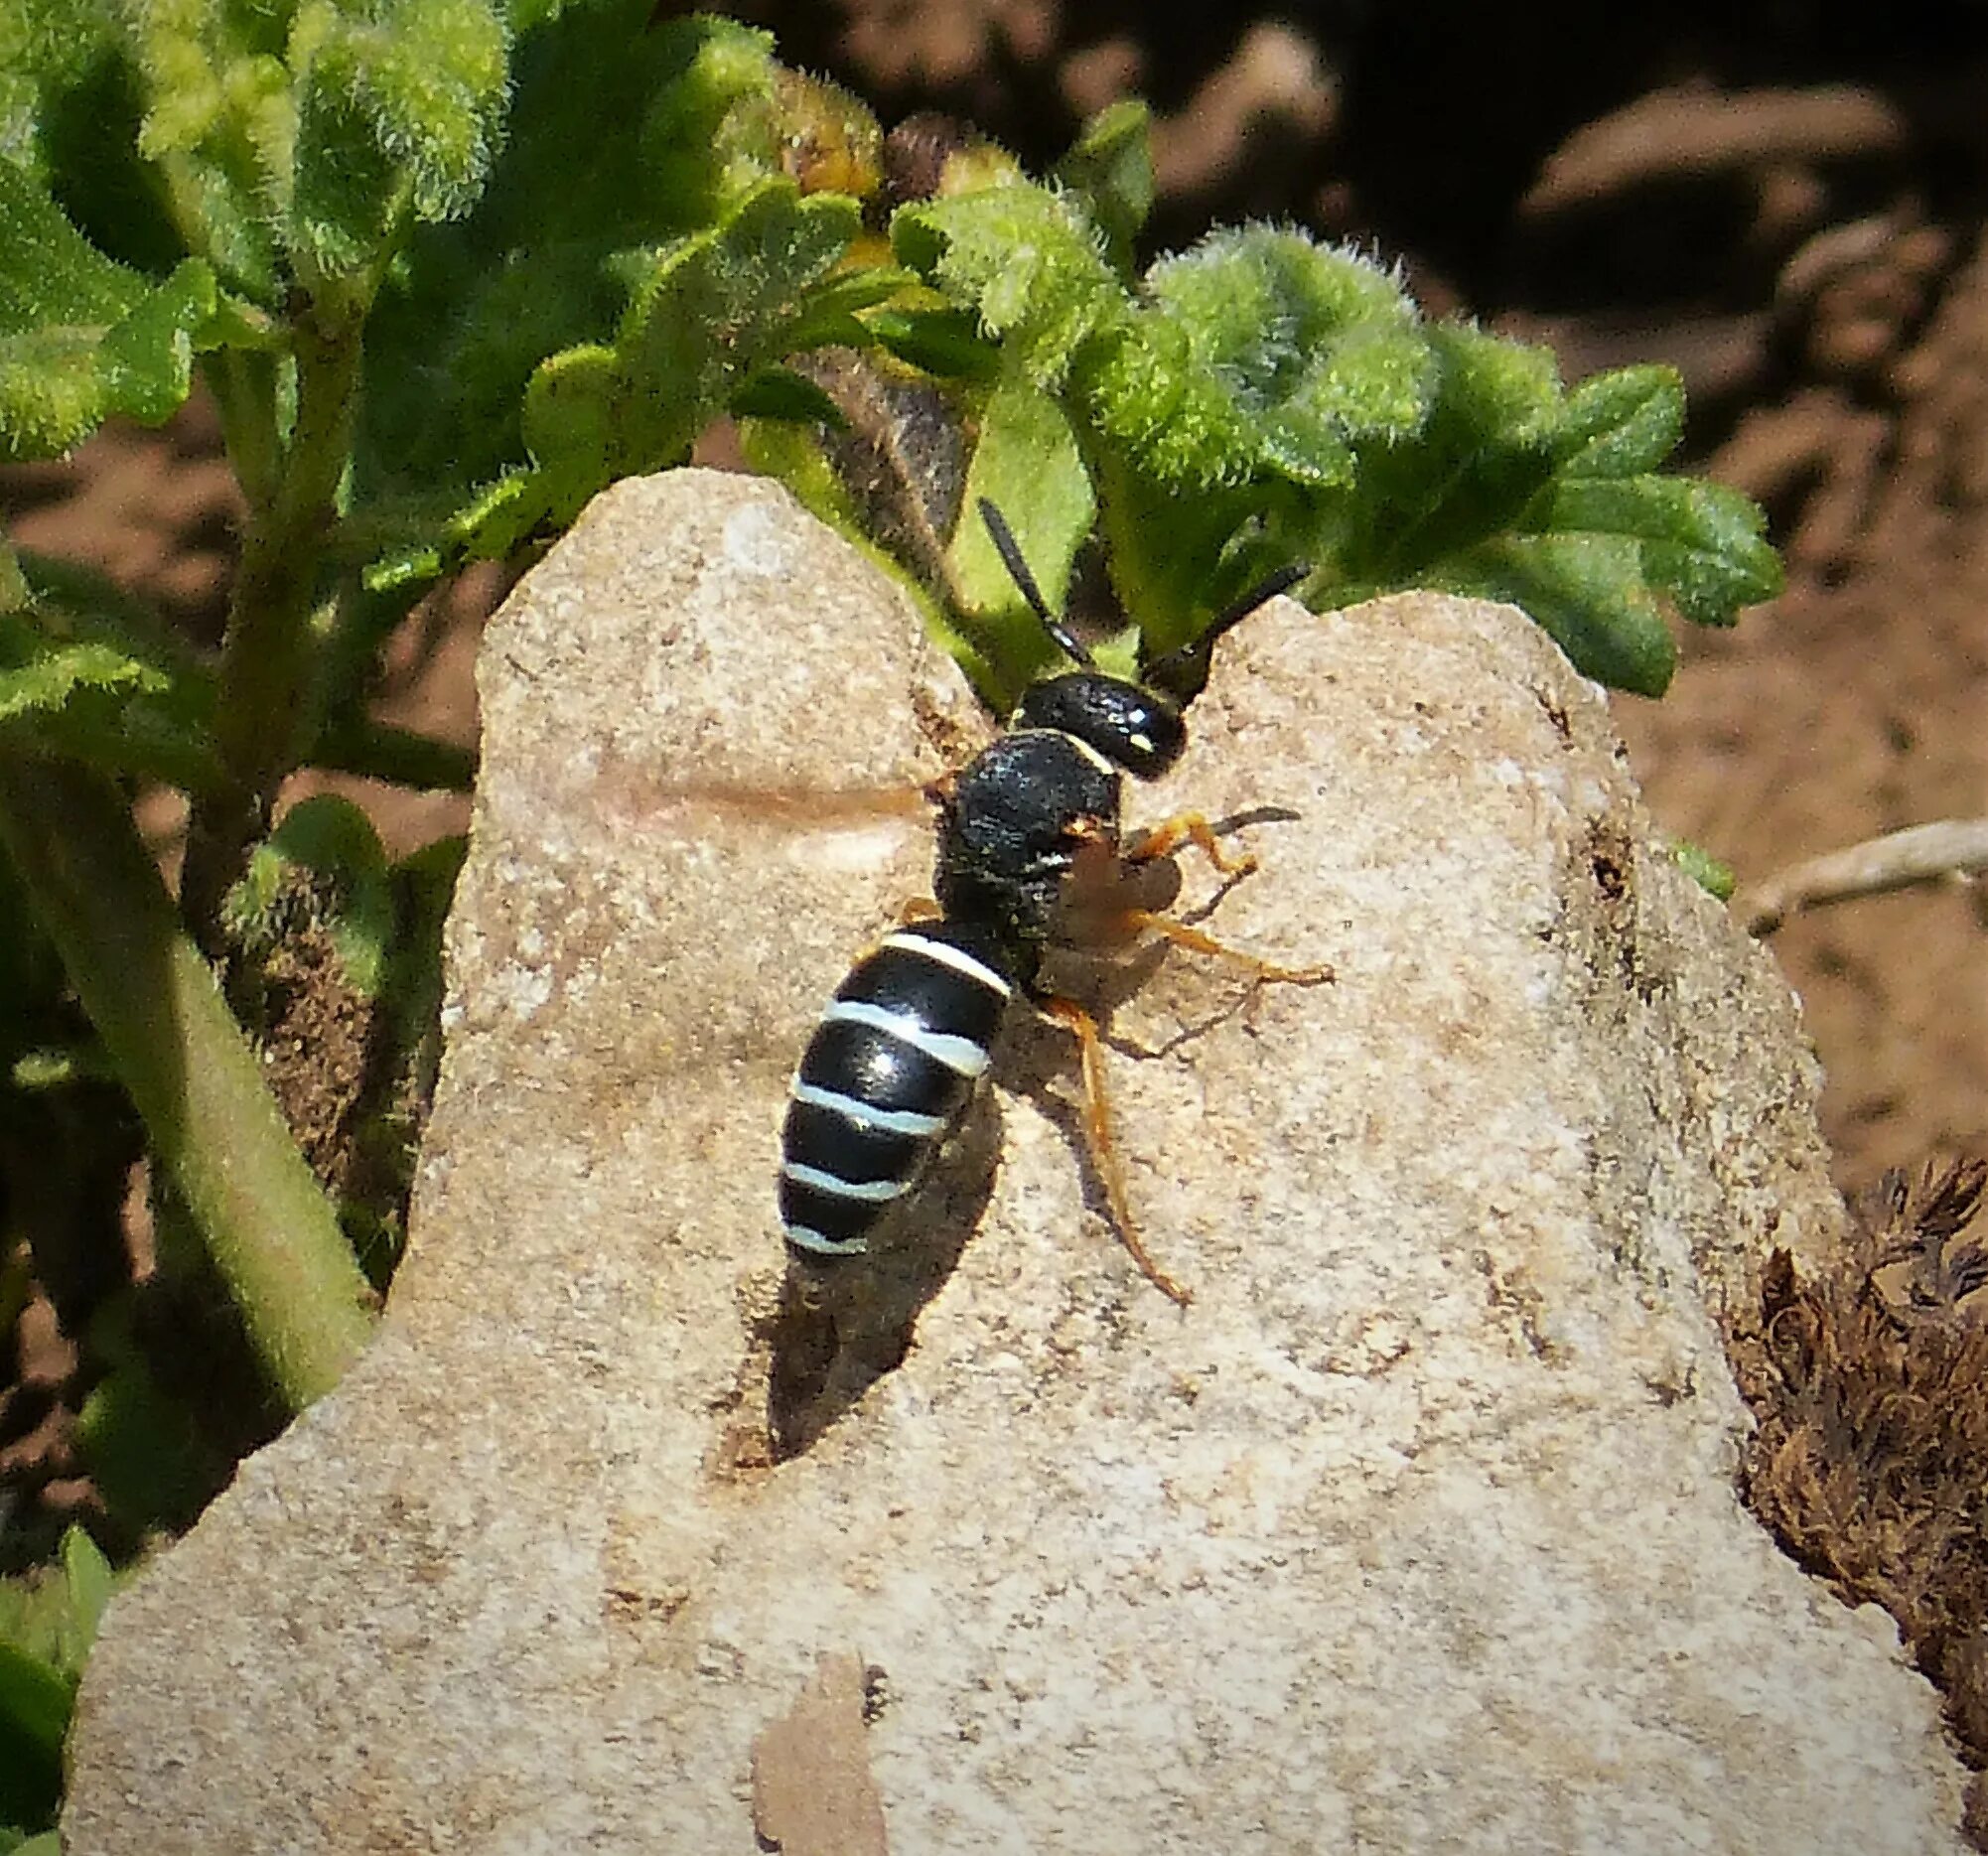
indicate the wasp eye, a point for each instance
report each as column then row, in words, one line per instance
column 1131, row 727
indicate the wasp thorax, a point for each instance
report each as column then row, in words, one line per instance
column 1131, row 727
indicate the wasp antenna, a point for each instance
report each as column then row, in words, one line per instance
column 1181, row 674
column 1010, row 551
column 1282, row 581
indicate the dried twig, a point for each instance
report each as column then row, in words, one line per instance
column 1948, row 848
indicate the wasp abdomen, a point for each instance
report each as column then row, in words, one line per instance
column 889, row 1069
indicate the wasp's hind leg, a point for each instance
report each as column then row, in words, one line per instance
column 1139, row 921
column 1097, row 1137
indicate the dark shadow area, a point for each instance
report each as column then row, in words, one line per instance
column 841, row 1325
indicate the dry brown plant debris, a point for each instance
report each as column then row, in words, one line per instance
column 1868, row 1382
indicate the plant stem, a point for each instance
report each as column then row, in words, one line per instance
column 268, row 1227
column 266, row 658
column 244, row 385
column 379, row 751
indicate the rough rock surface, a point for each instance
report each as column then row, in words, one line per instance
column 1417, row 1532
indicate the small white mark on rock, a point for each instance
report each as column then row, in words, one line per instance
column 755, row 541
column 521, row 991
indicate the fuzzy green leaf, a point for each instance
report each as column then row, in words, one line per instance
column 1503, row 392
column 1026, row 260
column 83, row 673
column 830, row 313
column 400, row 109
column 82, row 338
column 1171, row 556
column 1620, row 424
column 1589, row 595
column 1721, row 562
column 1468, row 477
column 1170, row 413
column 1264, row 303
column 220, row 129
column 1262, row 351
column 53, row 56
column 623, row 135
column 704, row 111
column 709, row 313
column 1702, row 542
column 46, row 676
column 322, row 864
column 706, row 313
column 1110, row 170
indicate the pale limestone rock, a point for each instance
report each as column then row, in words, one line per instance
column 1416, row 1532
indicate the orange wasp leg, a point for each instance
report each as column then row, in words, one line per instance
column 1165, row 838
column 1191, row 938
column 1097, row 1135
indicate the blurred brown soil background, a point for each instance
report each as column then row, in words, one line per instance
column 1784, row 202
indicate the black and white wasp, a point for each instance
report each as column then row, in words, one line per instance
column 1031, row 856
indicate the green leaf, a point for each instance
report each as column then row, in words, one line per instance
column 399, row 110
column 1026, row 463
column 1714, row 878
column 1262, row 351
column 146, row 1455
column 48, row 1621
column 706, row 313
column 1721, row 561
column 90, row 1584
column 946, row 343
column 1623, row 423
column 1587, row 594
column 84, row 672
column 1110, row 170
column 323, row 866
column 35, row 1704
column 1262, row 303
column 1170, row 555
column 1171, row 415
column 81, row 337
column 830, row 313
column 624, row 134
column 1026, row 260
column 1495, row 390
column 1470, row 475
column 220, row 131
column 1702, row 542
column 46, row 676
column 780, row 393
column 51, row 1614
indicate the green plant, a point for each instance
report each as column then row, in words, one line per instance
column 48, row 1621
column 448, row 268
